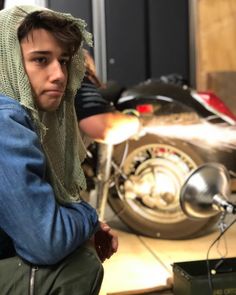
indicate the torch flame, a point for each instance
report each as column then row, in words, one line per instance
column 203, row 133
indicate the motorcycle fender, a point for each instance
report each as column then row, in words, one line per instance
column 153, row 105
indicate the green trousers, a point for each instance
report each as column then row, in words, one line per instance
column 81, row 273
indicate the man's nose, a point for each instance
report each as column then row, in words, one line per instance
column 57, row 72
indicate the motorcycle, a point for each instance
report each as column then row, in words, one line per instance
column 141, row 178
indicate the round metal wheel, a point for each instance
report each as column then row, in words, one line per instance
column 146, row 193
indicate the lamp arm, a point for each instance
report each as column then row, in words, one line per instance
column 221, row 203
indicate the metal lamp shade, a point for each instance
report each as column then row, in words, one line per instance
column 201, row 186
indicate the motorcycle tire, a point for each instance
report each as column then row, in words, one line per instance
column 157, row 213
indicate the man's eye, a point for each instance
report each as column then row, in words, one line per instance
column 40, row 60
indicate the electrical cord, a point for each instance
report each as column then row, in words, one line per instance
column 220, row 262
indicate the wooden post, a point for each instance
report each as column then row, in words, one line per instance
column 215, row 39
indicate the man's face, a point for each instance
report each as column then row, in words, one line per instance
column 45, row 62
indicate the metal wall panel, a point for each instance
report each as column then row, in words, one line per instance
column 125, row 40
column 168, row 37
column 138, row 39
column 78, row 8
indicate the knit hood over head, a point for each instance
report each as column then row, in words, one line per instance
column 57, row 131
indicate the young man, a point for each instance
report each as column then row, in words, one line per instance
column 47, row 233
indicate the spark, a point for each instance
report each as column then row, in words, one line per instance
column 203, row 134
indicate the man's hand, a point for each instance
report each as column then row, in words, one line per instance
column 105, row 242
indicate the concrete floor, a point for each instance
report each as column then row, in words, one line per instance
column 146, row 264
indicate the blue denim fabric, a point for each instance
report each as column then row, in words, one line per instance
column 42, row 231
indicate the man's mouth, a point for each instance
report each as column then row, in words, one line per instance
column 54, row 92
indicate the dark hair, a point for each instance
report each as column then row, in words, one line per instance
column 65, row 31
column 1, row 4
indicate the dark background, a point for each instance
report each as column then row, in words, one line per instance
column 144, row 38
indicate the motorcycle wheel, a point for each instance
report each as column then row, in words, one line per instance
column 146, row 194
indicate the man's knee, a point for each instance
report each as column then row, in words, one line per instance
column 81, row 273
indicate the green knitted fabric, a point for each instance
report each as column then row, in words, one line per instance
column 58, row 131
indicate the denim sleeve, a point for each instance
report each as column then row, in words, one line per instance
column 43, row 232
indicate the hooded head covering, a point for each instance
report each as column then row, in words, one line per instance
column 57, row 131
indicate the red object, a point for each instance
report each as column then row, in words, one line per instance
column 209, row 98
column 144, row 108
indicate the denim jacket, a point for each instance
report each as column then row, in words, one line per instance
column 32, row 223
